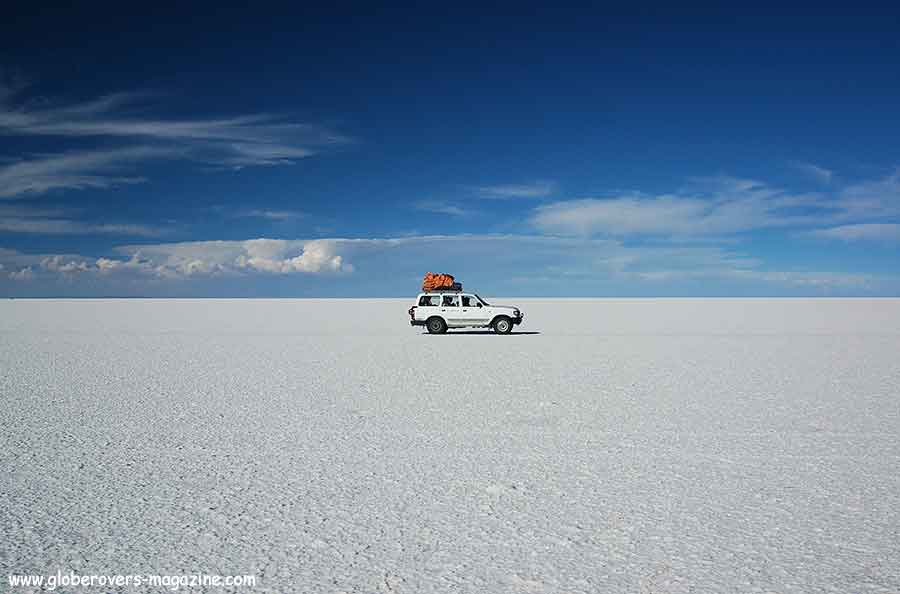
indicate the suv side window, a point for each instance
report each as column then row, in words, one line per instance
column 450, row 301
column 428, row 301
column 469, row 301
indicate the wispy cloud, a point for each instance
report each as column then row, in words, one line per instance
column 621, row 216
column 814, row 172
column 812, row 279
column 262, row 135
column 69, row 227
column 875, row 232
column 236, row 142
column 254, row 155
column 442, row 207
column 714, row 206
column 721, row 206
column 28, row 211
column 74, row 170
column 271, row 214
column 16, row 218
column 872, row 199
column 538, row 189
column 11, row 84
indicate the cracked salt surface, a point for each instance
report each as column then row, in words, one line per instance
column 327, row 446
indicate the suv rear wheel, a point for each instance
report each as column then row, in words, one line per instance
column 503, row 325
column 436, row 325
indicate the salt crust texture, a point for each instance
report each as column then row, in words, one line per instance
column 327, row 446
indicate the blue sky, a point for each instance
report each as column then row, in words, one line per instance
column 527, row 150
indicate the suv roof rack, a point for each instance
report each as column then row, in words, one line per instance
column 454, row 288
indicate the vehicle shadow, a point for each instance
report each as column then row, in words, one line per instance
column 483, row 333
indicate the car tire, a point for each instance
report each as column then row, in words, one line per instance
column 436, row 325
column 503, row 325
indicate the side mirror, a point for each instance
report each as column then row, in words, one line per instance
column 479, row 305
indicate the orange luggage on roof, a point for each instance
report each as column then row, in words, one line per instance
column 433, row 281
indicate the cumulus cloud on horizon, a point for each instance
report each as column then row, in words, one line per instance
column 558, row 261
column 276, row 256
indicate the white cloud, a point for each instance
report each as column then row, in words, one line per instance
column 872, row 199
column 666, row 215
column 237, row 142
column 107, row 266
column 880, row 232
column 73, row 170
column 31, row 266
column 335, row 255
column 15, row 218
column 272, row 215
column 204, row 258
column 564, row 257
column 60, row 264
column 23, row 274
column 717, row 206
column 815, row 172
column 620, row 216
column 827, row 280
column 549, row 264
column 259, row 136
column 537, row 189
column 813, row 279
column 27, row 211
column 273, row 255
column 441, row 207
column 70, row 227
column 248, row 155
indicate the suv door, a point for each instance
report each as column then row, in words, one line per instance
column 451, row 310
column 426, row 306
column 472, row 311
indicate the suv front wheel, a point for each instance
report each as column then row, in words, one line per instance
column 436, row 325
column 503, row 325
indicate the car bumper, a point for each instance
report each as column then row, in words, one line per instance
column 517, row 321
column 417, row 322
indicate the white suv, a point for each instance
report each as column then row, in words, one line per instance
column 439, row 310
